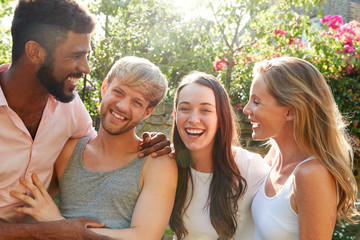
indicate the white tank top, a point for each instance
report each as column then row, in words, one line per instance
column 197, row 217
column 273, row 216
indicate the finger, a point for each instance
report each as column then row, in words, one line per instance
column 23, row 197
column 163, row 151
column 145, row 136
column 39, row 185
column 91, row 223
column 172, row 154
column 34, row 190
column 25, row 210
column 157, row 138
column 157, row 150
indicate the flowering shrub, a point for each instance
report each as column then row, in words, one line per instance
column 222, row 62
column 334, row 50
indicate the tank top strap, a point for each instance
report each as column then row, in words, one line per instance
column 76, row 156
column 304, row 161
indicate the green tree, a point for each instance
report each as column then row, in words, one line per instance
column 5, row 39
column 151, row 29
column 241, row 23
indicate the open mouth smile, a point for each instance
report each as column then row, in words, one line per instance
column 117, row 115
column 194, row 131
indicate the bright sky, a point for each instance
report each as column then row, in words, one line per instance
column 193, row 8
column 190, row 8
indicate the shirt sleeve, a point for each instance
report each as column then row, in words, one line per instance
column 83, row 120
column 253, row 168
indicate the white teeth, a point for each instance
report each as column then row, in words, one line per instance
column 73, row 80
column 118, row 116
column 194, row 131
column 256, row 124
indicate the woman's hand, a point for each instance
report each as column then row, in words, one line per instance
column 41, row 205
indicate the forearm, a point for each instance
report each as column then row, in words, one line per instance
column 65, row 229
column 127, row 233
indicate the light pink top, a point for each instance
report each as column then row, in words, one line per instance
column 20, row 155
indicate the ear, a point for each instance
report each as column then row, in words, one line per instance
column 290, row 114
column 104, row 87
column 148, row 111
column 174, row 113
column 34, row 52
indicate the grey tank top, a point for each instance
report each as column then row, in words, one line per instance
column 107, row 197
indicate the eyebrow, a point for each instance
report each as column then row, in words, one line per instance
column 79, row 53
column 203, row 104
column 142, row 100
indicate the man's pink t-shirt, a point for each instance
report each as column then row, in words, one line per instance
column 20, row 155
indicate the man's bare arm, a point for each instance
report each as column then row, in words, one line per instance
column 76, row 228
column 154, row 205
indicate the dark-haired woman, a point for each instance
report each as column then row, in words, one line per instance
column 217, row 180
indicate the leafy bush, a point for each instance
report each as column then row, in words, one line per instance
column 334, row 49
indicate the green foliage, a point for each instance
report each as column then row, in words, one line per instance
column 5, row 40
column 336, row 53
column 241, row 23
column 151, row 29
column 347, row 231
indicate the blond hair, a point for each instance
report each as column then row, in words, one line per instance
column 319, row 128
column 141, row 75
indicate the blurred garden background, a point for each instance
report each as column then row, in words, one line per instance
column 224, row 38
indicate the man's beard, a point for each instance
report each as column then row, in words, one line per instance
column 115, row 130
column 54, row 87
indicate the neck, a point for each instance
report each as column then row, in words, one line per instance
column 289, row 151
column 202, row 160
column 116, row 145
column 22, row 89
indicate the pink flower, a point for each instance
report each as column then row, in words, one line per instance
column 347, row 28
column 350, row 67
column 349, row 49
column 280, row 32
column 219, row 64
column 348, row 41
column 337, row 18
column 326, row 18
column 334, row 21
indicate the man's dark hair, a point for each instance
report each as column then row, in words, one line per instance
column 47, row 22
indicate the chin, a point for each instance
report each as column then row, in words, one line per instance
column 257, row 137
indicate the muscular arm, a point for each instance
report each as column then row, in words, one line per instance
column 154, row 206
column 315, row 199
column 75, row 228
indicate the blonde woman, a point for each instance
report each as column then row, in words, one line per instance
column 310, row 183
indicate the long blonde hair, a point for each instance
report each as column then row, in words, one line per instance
column 319, row 128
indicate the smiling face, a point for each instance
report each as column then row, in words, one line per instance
column 122, row 108
column 196, row 117
column 268, row 118
column 62, row 69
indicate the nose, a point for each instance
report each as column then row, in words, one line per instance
column 246, row 109
column 84, row 65
column 123, row 105
column 194, row 117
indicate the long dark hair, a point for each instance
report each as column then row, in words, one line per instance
column 227, row 185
